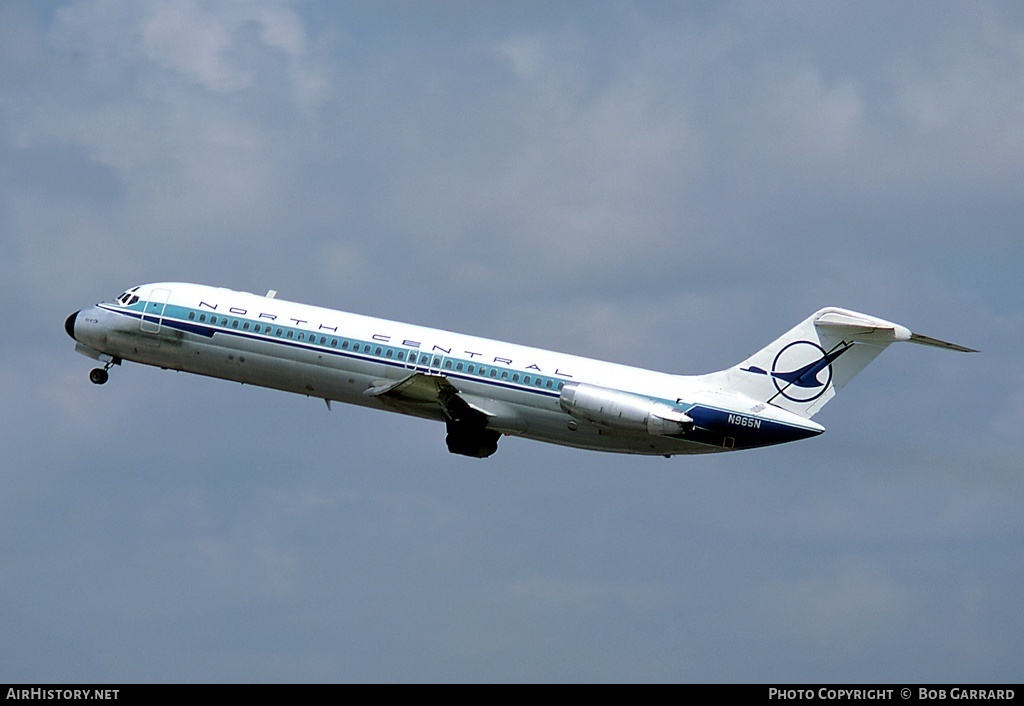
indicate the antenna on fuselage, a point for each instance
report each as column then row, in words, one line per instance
column 271, row 293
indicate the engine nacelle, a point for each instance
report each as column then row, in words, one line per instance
column 624, row 411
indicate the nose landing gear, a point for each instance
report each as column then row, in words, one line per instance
column 99, row 376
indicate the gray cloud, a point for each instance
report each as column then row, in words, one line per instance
column 660, row 185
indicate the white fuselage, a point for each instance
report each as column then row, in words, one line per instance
column 362, row 360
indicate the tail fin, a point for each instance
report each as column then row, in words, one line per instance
column 805, row 367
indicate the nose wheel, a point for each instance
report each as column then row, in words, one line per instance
column 99, row 376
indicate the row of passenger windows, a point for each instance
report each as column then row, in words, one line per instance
column 381, row 351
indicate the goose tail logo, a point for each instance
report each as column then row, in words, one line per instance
column 802, row 370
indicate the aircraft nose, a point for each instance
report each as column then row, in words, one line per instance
column 69, row 325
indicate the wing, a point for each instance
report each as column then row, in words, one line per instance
column 419, row 392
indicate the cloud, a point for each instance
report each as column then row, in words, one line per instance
column 661, row 185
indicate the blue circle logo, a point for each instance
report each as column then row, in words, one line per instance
column 802, row 371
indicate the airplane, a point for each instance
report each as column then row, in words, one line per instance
column 483, row 389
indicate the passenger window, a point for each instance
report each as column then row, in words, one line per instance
column 504, row 375
column 245, row 326
column 202, row 318
column 234, row 323
column 459, row 367
column 549, row 384
column 389, row 353
column 191, row 316
column 401, row 355
column 447, row 365
column 526, row 380
column 377, row 351
column 515, row 378
column 344, row 345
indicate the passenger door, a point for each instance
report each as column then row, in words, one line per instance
column 153, row 314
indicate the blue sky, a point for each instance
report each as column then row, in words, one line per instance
column 669, row 185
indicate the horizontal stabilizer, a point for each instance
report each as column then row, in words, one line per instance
column 929, row 341
column 858, row 327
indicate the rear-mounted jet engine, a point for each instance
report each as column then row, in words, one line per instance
column 623, row 411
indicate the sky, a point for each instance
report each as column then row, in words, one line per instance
column 663, row 184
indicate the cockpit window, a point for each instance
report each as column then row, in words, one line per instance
column 128, row 298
